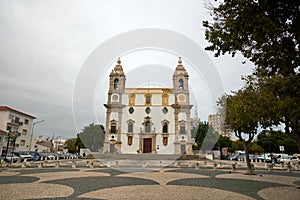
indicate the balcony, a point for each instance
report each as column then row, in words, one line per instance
column 144, row 131
column 15, row 121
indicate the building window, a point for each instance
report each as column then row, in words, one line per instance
column 116, row 84
column 131, row 100
column 8, row 128
column 165, row 100
column 130, row 127
column 147, row 127
column 129, row 140
column 22, row 142
column 165, row 141
column 165, row 127
column 26, row 122
column 148, row 110
column 165, row 110
column 180, row 84
column 182, row 129
column 148, row 100
column 131, row 110
column 113, row 127
column 24, row 132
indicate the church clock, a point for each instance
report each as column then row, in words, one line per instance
column 115, row 98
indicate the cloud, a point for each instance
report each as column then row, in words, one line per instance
column 44, row 44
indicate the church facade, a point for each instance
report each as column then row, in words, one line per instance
column 148, row 120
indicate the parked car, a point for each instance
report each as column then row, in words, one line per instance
column 289, row 159
column 24, row 155
column 253, row 158
column 50, row 156
column 262, row 157
column 11, row 157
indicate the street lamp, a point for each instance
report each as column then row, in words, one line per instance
column 32, row 132
column 268, row 134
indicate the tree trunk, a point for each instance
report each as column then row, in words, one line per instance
column 249, row 167
column 298, row 142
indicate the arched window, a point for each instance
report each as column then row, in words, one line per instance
column 180, row 84
column 148, row 100
column 116, row 83
column 147, row 127
column 113, row 127
column 182, row 129
column 130, row 127
column 165, row 127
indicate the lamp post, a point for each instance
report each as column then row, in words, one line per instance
column 32, row 132
column 268, row 134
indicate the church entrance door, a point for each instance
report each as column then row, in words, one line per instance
column 147, row 147
column 112, row 148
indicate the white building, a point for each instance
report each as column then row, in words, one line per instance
column 148, row 120
column 217, row 121
column 17, row 127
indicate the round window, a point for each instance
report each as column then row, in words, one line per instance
column 147, row 110
column 131, row 110
column 165, row 110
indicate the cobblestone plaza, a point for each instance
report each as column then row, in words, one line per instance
column 150, row 183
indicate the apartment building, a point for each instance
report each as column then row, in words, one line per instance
column 15, row 130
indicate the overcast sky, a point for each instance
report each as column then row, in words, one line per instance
column 46, row 44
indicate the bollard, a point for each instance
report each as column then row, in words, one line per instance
column 91, row 164
column 57, row 165
column 233, row 167
column 282, row 165
column 215, row 166
column 270, row 167
column 197, row 165
column 289, row 167
column 175, row 164
column 74, row 164
column 252, row 168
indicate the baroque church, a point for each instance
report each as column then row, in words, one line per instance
column 148, row 120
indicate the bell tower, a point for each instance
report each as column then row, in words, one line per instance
column 180, row 84
column 114, row 109
column 182, row 110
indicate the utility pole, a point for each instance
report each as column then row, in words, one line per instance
column 32, row 132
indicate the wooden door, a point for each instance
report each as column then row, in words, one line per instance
column 147, row 147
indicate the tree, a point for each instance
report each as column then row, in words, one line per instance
column 206, row 138
column 92, row 137
column 264, row 31
column 237, row 145
column 254, row 148
column 201, row 133
column 270, row 143
column 267, row 33
column 74, row 144
column 279, row 98
column 70, row 144
column 242, row 115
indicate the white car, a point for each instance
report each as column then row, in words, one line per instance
column 289, row 159
column 10, row 157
